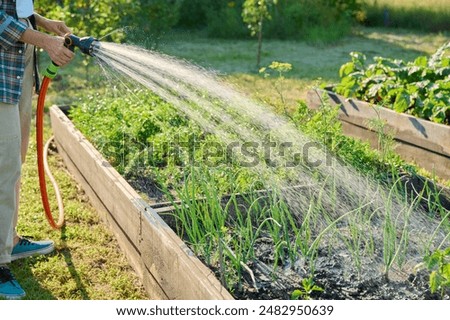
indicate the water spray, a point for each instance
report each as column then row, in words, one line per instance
column 87, row 45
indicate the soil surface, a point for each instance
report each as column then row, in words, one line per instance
column 331, row 272
column 332, row 275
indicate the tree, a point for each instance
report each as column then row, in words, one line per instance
column 254, row 13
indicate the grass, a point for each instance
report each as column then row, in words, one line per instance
column 310, row 62
column 87, row 262
column 312, row 65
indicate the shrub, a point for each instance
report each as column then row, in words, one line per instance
column 96, row 18
column 321, row 21
column 99, row 18
column 150, row 19
column 224, row 19
column 420, row 87
column 192, row 14
column 318, row 21
column 430, row 18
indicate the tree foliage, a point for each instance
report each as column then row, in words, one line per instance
column 96, row 18
column 100, row 18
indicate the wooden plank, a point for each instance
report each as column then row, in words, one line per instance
column 181, row 276
column 431, row 161
column 152, row 287
column 428, row 135
column 160, row 257
column 420, row 141
column 106, row 182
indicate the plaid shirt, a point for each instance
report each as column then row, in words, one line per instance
column 12, row 57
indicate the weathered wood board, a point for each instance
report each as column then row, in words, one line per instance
column 422, row 142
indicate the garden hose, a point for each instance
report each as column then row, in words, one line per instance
column 42, row 162
column 86, row 45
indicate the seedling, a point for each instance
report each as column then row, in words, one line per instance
column 439, row 264
column 307, row 288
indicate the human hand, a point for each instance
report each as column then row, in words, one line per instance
column 57, row 51
column 57, row 27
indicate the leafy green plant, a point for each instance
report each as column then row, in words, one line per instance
column 307, row 288
column 420, row 87
column 438, row 263
column 280, row 69
column 96, row 18
column 386, row 140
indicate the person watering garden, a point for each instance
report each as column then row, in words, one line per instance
column 18, row 38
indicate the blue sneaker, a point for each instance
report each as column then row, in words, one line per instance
column 27, row 248
column 9, row 287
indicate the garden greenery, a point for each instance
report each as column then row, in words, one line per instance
column 219, row 209
column 420, row 87
column 160, row 140
column 438, row 263
column 96, row 18
column 407, row 14
column 315, row 20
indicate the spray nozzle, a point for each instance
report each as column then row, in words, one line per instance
column 85, row 44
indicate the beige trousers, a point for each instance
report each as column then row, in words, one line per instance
column 15, row 122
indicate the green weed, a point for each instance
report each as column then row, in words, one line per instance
column 307, row 288
column 438, row 263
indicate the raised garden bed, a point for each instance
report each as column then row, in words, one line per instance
column 167, row 267
column 170, row 270
column 422, row 142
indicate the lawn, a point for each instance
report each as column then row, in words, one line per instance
column 312, row 65
column 87, row 262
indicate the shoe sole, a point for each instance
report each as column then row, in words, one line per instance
column 12, row 297
column 27, row 254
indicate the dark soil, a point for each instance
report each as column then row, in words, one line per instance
column 331, row 272
column 330, row 275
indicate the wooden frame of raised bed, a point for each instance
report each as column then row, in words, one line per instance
column 167, row 268
column 422, row 142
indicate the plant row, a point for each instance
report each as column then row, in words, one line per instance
column 420, row 87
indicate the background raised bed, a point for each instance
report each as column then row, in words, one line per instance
column 420, row 141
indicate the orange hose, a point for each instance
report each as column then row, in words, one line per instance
column 40, row 156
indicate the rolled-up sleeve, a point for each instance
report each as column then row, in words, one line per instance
column 10, row 30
